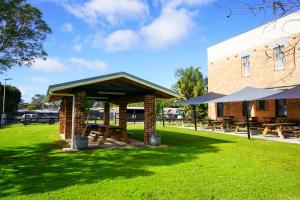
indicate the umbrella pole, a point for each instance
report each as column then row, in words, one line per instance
column 163, row 116
column 195, row 117
column 247, row 119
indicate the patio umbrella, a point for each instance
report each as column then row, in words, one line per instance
column 245, row 95
column 293, row 93
column 200, row 100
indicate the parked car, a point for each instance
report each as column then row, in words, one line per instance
column 38, row 118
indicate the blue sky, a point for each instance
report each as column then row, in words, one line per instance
column 149, row 39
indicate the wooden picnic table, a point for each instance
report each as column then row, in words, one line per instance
column 107, row 131
column 217, row 124
column 242, row 125
column 280, row 128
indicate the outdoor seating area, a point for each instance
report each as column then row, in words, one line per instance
column 283, row 130
column 118, row 89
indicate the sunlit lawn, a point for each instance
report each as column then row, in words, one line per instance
column 196, row 165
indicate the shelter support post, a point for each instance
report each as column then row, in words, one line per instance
column 247, row 119
column 123, row 121
column 149, row 120
column 65, row 116
column 106, row 113
column 194, row 116
column 163, row 116
column 80, row 115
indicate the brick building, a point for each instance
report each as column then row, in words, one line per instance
column 265, row 57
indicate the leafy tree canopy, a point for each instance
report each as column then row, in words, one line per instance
column 12, row 98
column 22, row 33
column 191, row 83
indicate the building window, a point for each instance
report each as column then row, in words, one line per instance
column 261, row 105
column 279, row 57
column 220, row 109
column 280, row 107
column 246, row 105
column 246, row 65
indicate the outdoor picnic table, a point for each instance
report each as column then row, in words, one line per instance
column 242, row 125
column 224, row 125
column 280, row 128
column 106, row 131
column 214, row 124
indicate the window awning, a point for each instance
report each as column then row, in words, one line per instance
column 201, row 99
column 293, row 93
column 246, row 94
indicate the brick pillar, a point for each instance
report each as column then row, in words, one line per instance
column 149, row 118
column 68, row 119
column 123, row 121
column 80, row 115
column 62, row 116
column 106, row 113
column 65, row 117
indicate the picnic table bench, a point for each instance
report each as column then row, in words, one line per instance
column 254, row 127
column 282, row 129
column 108, row 131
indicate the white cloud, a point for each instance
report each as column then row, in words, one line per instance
column 121, row 40
column 176, row 3
column 89, row 64
column 114, row 11
column 27, row 92
column 40, row 79
column 77, row 47
column 49, row 65
column 170, row 27
column 174, row 23
column 67, row 27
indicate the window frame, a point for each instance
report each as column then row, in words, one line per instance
column 245, row 65
column 219, row 113
column 277, row 109
column 258, row 105
column 279, row 60
column 249, row 108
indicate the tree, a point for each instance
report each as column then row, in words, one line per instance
column 273, row 8
column 190, row 84
column 37, row 102
column 12, row 98
column 22, row 33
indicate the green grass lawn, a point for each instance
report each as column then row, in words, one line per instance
column 196, row 165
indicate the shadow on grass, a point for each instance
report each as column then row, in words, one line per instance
column 43, row 167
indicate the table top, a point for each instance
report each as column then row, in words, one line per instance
column 243, row 123
column 279, row 124
column 104, row 126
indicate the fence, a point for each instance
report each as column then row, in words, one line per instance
column 29, row 117
column 52, row 117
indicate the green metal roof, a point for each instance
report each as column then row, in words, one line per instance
column 82, row 82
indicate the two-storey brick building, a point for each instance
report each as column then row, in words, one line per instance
column 265, row 57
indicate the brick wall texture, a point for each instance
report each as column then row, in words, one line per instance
column 123, row 121
column 80, row 115
column 225, row 77
column 149, row 124
column 66, row 117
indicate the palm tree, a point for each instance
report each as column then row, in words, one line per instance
column 190, row 84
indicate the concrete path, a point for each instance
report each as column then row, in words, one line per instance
column 244, row 134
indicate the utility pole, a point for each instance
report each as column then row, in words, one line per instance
column 3, row 104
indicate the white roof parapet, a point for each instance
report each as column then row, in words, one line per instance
column 283, row 27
